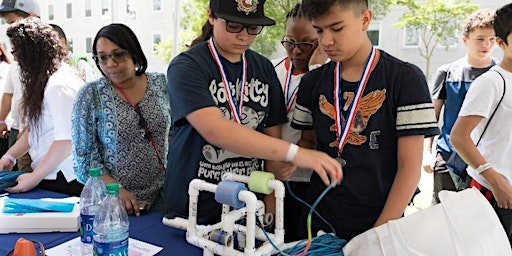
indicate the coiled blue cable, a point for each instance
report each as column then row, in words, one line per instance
column 324, row 245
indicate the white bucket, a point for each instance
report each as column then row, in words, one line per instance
column 464, row 224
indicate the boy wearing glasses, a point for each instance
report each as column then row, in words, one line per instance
column 227, row 110
column 369, row 110
column 451, row 83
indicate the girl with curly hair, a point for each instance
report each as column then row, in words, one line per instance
column 49, row 87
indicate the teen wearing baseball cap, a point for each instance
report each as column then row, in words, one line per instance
column 11, row 10
column 227, row 108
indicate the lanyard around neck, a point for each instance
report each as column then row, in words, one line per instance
column 343, row 131
column 149, row 135
column 289, row 98
column 236, row 110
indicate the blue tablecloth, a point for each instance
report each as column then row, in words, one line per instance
column 148, row 228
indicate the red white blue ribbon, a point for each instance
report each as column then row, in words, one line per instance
column 236, row 109
column 289, row 98
column 343, row 131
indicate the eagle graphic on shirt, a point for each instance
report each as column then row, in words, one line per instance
column 368, row 105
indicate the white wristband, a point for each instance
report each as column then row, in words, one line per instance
column 482, row 168
column 292, row 152
column 10, row 157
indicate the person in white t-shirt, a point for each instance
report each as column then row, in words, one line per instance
column 489, row 164
column 46, row 109
column 84, row 65
column 301, row 44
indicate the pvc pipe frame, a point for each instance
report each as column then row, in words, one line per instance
column 198, row 234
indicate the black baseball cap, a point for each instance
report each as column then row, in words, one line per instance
column 241, row 11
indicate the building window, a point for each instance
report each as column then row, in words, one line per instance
column 88, row 8
column 130, row 6
column 70, row 44
column 88, row 45
column 157, row 5
column 105, row 8
column 51, row 12
column 374, row 33
column 69, row 11
column 411, row 37
column 157, row 38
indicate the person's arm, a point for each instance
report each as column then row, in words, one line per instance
column 307, row 139
column 85, row 135
column 281, row 169
column 428, row 155
column 231, row 136
column 406, row 179
column 460, row 138
column 5, row 108
column 58, row 151
column 129, row 200
column 17, row 150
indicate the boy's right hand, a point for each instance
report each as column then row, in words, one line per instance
column 325, row 166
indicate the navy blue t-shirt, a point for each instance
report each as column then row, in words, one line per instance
column 194, row 82
column 396, row 102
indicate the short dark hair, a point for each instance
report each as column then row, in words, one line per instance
column 316, row 8
column 295, row 13
column 59, row 31
column 125, row 38
column 503, row 22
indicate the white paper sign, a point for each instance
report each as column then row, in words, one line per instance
column 73, row 246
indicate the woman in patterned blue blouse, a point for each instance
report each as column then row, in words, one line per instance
column 121, row 121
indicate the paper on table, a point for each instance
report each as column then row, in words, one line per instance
column 72, row 248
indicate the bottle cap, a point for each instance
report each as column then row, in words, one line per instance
column 113, row 189
column 94, row 172
column 24, row 247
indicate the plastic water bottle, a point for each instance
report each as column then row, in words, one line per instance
column 92, row 194
column 111, row 225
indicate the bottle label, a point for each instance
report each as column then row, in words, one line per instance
column 117, row 248
column 86, row 224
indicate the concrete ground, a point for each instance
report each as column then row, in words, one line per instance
column 424, row 198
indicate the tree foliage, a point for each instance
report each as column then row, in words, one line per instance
column 436, row 22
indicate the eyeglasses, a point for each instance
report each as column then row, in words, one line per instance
column 235, row 27
column 117, row 57
column 303, row 46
